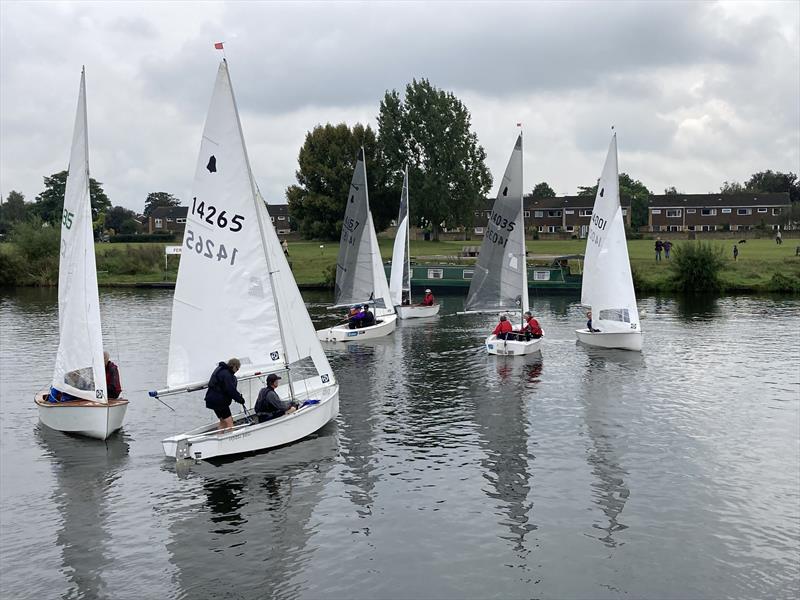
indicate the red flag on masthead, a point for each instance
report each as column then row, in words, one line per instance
column 218, row 45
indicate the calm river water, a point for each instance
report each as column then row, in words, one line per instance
column 448, row 474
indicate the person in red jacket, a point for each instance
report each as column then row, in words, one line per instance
column 113, row 385
column 503, row 328
column 428, row 300
column 531, row 329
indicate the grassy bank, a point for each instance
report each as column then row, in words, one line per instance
column 761, row 262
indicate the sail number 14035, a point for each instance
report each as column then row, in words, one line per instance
column 207, row 248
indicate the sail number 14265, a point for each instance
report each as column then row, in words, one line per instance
column 207, row 248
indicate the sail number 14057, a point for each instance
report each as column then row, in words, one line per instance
column 207, row 248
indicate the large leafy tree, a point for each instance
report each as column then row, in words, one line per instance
column 326, row 162
column 156, row 200
column 121, row 220
column 430, row 131
column 631, row 191
column 12, row 211
column 542, row 191
column 769, row 181
column 50, row 203
column 731, row 187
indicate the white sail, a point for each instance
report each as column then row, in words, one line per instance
column 607, row 282
column 228, row 301
column 500, row 279
column 79, row 368
column 399, row 280
column 382, row 295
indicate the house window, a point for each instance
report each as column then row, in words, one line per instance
column 538, row 214
column 553, row 213
column 726, row 211
column 180, row 220
column 776, row 227
column 708, row 212
column 541, row 275
column 662, row 227
column 691, row 211
column 159, row 223
column 656, row 211
column 467, row 273
column 169, row 220
column 281, row 218
column 673, row 212
column 734, row 228
column 675, row 228
column 775, row 211
column 690, row 228
column 569, row 212
column 762, row 210
column 435, row 273
column 527, row 214
column 624, row 212
column 479, row 230
column 541, row 228
column 551, row 229
column 708, row 228
column 284, row 231
column 569, row 228
column 744, row 211
column 586, row 212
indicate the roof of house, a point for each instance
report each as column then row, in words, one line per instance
column 170, row 212
column 555, row 203
column 703, row 200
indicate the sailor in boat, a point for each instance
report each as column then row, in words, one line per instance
column 531, row 329
column 406, row 301
column 269, row 405
column 428, row 300
column 222, row 391
column 503, row 328
column 355, row 317
column 369, row 318
column 589, row 323
column 113, row 385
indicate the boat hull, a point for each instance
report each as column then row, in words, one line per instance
column 204, row 442
column 417, row 312
column 512, row 347
column 342, row 333
column 602, row 339
column 82, row 417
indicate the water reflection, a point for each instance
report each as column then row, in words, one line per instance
column 258, row 512
column 86, row 472
column 697, row 307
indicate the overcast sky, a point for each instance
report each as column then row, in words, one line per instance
column 700, row 93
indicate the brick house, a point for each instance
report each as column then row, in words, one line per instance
column 717, row 212
column 172, row 219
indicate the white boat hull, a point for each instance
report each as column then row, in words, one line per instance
column 417, row 312
column 205, row 442
column 602, row 339
column 82, row 417
column 512, row 347
column 343, row 333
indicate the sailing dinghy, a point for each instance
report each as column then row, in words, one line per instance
column 500, row 281
column 80, row 369
column 235, row 296
column 607, row 282
column 360, row 278
column 400, row 278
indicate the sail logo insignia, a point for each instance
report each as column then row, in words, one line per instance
column 212, row 164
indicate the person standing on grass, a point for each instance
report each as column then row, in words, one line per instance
column 735, row 252
column 667, row 248
column 659, row 248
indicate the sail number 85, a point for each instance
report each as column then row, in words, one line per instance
column 206, row 248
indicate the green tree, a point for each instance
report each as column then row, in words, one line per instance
column 696, row 266
column 12, row 211
column 769, row 181
column 430, row 131
column 326, row 162
column 121, row 220
column 156, row 200
column 631, row 192
column 542, row 191
column 50, row 203
column 731, row 187
column 671, row 191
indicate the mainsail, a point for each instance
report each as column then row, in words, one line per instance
column 607, row 282
column 500, row 281
column 79, row 368
column 400, row 280
column 235, row 295
column 359, row 270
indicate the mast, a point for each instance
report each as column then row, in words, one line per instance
column 259, row 214
column 408, row 236
column 525, row 302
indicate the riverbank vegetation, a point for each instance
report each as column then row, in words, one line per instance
column 30, row 258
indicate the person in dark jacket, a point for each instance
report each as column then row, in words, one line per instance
column 589, row 323
column 368, row 320
column 222, row 391
column 269, row 405
column 113, row 385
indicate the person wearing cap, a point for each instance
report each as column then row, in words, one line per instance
column 428, row 300
column 222, row 391
column 269, row 405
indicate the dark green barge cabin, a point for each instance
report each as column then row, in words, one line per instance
column 558, row 277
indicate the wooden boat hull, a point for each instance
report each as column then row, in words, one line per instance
column 205, row 442
column 417, row 312
column 512, row 347
column 82, row 417
column 342, row 333
column 628, row 340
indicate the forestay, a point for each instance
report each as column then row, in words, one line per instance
column 500, row 279
column 79, row 368
column 607, row 282
column 400, row 280
column 235, row 294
